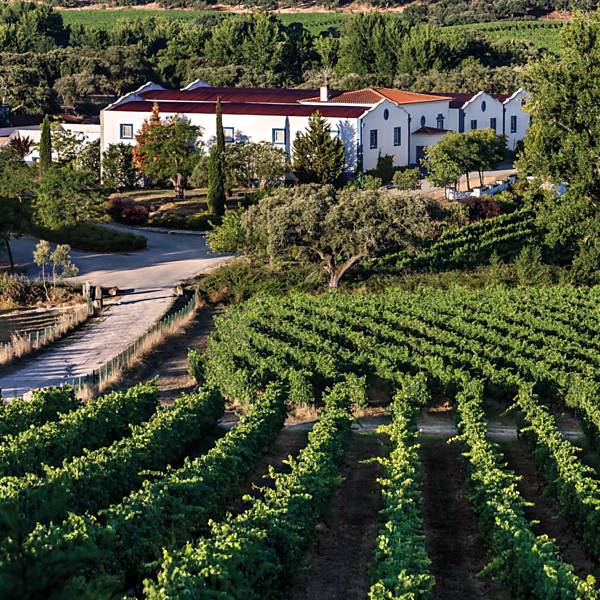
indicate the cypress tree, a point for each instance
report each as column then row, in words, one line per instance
column 318, row 157
column 45, row 147
column 216, row 168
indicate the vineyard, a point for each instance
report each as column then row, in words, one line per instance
column 121, row 496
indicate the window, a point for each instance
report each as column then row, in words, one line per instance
column 423, row 121
column 473, row 124
column 229, row 134
column 386, row 114
column 397, row 136
column 483, row 106
column 440, row 121
column 279, row 136
column 373, row 138
column 335, row 132
column 493, row 123
column 513, row 124
column 126, row 132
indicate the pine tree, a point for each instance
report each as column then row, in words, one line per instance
column 216, row 168
column 318, row 156
column 45, row 147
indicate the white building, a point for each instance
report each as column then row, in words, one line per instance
column 370, row 122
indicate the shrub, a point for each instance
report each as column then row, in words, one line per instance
column 530, row 269
column 196, row 365
column 407, row 179
column 482, row 208
column 384, row 169
column 204, row 221
column 128, row 213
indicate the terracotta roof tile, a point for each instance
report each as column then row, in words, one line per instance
column 430, row 130
column 374, row 95
column 228, row 94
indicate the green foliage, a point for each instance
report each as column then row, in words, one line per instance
column 529, row 565
column 407, row 179
column 44, row 406
column 215, row 196
column 384, row 169
column 230, row 235
column 97, row 423
column 66, row 196
column 196, row 365
column 337, row 229
column 118, row 170
column 530, row 268
column 103, row 476
column 168, row 151
column 270, row 536
column 250, row 164
column 45, row 147
column 114, row 551
column 563, row 143
column 318, row 157
column 401, row 568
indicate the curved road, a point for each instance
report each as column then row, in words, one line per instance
column 150, row 274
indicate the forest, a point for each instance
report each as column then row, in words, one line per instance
column 48, row 66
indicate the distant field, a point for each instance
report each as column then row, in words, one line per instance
column 544, row 34
column 106, row 18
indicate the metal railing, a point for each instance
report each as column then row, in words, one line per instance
column 124, row 359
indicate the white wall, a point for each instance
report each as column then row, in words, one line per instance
column 474, row 111
column 248, row 128
column 375, row 119
column 514, row 107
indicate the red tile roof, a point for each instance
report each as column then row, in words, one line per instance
column 238, row 108
column 228, row 94
column 376, row 94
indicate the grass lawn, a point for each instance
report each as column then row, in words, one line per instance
column 106, row 17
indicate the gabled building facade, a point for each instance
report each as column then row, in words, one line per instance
column 369, row 122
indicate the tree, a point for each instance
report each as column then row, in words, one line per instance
column 563, row 143
column 407, row 179
column 168, row 151
column 248, row 164
column 15, row 189
column 89, row 159
column 336, row 228
column 443, row 166
column 66, row 196
column 45, row 145
column 22, row 146
column 58, row 261
column 118, row 170
column 216, row 168
column 66, row 145
column 318, row 156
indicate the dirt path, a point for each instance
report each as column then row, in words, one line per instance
column 545, row 509
column 451, row 532
column 337, row 566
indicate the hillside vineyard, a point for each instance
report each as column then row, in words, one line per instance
column 148, row 512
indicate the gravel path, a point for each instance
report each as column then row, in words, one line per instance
column 149, row 276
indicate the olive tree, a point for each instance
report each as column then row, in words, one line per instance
column 336, row 228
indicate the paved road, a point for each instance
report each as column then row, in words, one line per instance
column 150, row 274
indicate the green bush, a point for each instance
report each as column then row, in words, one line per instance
column 196, row 365
column 384, row 169
column 407, row 179
column 205, row 221
column 92, row 237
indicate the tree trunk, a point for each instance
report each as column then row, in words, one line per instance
column 468, row 181
column 336, row 273
column 10, row 254
column 179, row 184
column 481, row 179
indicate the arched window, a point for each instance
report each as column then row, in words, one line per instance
column 483, row 106
column 440, row 121
column 423, row 121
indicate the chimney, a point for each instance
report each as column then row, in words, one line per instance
column 324, row 93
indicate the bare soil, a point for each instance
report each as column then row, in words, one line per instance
column 451, row 532
column 337, row 565
column 544, row 513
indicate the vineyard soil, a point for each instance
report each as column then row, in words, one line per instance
column 453, row 543
column 544, row 513
column 337, row 565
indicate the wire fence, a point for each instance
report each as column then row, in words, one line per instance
column 100, row 377
column 24, row 342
